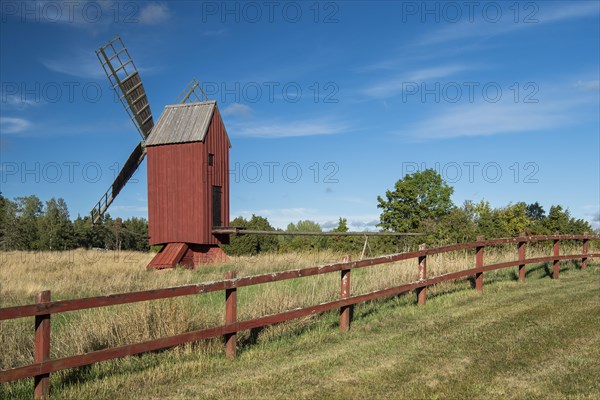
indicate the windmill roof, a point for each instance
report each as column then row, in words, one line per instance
column 182, row 123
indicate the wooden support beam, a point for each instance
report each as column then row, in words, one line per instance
column 522, row 252
column 421, row 276
column 230, row 316
column 41, row 352
column 226, row 230
column 44, row 308
column 556, row 251
column 479, row 264
column 585, row 251
column 345, row 293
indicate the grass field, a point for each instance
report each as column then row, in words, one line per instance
column 538, row 340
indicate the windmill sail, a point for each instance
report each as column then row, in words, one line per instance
column 192, row 92
column 129, row 168
column 125, row 81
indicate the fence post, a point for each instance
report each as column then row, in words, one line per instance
column 41, row 350
column 345, row 293
column 230, row 316
column 522, row 252
column 556, row 268
column 422, row 274
column 479, row 264
column 585, row 252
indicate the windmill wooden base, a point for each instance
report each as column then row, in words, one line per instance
column 188, row 255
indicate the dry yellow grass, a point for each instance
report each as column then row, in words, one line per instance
column 83, row 273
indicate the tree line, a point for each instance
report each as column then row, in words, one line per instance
column 26, row 223
column 418, row 203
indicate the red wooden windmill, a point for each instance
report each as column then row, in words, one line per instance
column 188, row 166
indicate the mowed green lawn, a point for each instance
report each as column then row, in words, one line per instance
column 538, row 340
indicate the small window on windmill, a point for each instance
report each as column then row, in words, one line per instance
column 211, row 159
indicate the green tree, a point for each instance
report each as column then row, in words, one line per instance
column 26, row 233
column 345, row 244
column 55, row 227
column 422, row 196
column 557, row 220
column 11, row 236
column 3, row 206
column 535, row 212
column 514, row 219
column 560, row 220
column 101, row 234
column 82, row 232
column 303, row 243
column 251, row 244
column 135, row 234
column 455, row 227
column 342, row 225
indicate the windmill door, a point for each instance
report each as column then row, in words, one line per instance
column 216, row 206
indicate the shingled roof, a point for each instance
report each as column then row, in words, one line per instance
column 182, row 123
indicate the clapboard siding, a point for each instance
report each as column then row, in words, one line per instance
column 180, row 187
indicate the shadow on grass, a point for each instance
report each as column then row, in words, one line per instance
column 472, row 281
column 76, row 375
column 252, row 338
column 459, row 286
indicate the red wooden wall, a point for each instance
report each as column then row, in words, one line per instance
column 180, row 188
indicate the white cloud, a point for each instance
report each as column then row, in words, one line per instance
column 570, row 11
column 18, row 101
column 130, row 208
column 9, row 125
column 588, row 85
column 237, row 110
column 365, row 224
column 329, row 225
column 94, row 16
column 274, row 130
column 56, row 128
column 84, row 64
column 81, row 64
column 393, row 86
column 154, row 13
column 215, row 33
column 491, row 119
column 595, row 221
column 528, row 18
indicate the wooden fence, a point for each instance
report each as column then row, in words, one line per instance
column 44, row 307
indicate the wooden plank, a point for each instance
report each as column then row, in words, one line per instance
column 219, row 230
column 479, row 264
column 41, row 348
column 60, row 306
column 169, row 257
column 344, row 294
column 107, row 354
column 585, row 251
column 230, row 316
column 421, row 276
column 157, row 344
column 521, row 249
column 133, row 297
column 556, row 267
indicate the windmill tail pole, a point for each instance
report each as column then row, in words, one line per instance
column 241, row 231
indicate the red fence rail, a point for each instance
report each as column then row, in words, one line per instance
column 44, row 307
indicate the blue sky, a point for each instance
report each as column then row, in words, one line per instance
column 327, row 104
